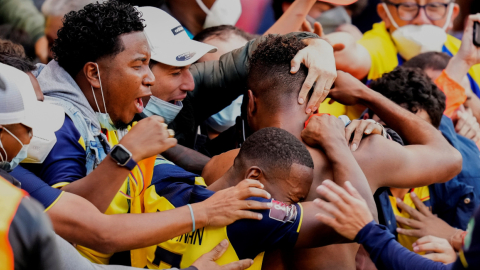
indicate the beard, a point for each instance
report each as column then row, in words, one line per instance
column 120, row 125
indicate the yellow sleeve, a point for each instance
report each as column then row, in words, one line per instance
column 382, row 51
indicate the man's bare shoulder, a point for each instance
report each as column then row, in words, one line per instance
column 218, row 166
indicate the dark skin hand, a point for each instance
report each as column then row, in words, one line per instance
column 424, row 223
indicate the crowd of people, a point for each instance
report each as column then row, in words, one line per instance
column 156, row 134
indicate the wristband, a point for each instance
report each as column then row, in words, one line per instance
column 193, row 217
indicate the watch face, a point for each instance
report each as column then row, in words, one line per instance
column 120, row 155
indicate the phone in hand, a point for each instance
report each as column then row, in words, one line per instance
column 476, row 34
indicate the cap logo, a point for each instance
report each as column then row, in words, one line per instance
column 185, row 56
column 177, row 30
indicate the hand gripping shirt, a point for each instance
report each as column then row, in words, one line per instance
column 174, row 187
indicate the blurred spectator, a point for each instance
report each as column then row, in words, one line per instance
column 196, row 15
column 332, row 17
column 22, row 14
column 54, row 10
column 18, row 36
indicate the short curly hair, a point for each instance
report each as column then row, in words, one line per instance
column 93, row 32
column 412, row 89
column 269, row 74
column 273, row 149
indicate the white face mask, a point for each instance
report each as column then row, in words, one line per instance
column 9, row 166
column 332, row 19
column 104, row 119
column 412, row 40
column 40, row 146
column 222, row 12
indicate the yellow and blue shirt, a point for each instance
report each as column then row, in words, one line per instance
column 424, row 194
column 385, row 56
column 174, row 187
column 66, row 163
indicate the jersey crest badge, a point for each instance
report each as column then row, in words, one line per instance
column 282, row 212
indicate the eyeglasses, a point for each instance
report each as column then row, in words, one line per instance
column 409, row 11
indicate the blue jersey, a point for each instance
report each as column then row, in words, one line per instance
column 173, row 187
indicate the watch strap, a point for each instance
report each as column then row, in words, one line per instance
column 130, row 164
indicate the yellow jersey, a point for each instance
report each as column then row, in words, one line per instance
column 385, row 57
column 174, row 187
column 424, row 194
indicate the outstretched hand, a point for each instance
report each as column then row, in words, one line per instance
column 422, row 221
column 347, row 211
column 436, row 249
column 229, row 205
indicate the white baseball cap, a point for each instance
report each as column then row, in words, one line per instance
column 168, row 40
column 19, row 104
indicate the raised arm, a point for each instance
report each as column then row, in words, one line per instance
column 328, row 133
column 353, row 58
column 78, row 221
column 428, row 157
column 293, row 18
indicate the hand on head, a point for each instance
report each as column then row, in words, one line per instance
column 318, row 58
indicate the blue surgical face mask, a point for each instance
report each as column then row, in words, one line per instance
column 104, row 119
column 226, row 118
column 9, row 166
column 332, row 19
column 162, row 108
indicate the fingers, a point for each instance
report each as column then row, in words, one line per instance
column 317, row 91
column 332, row 197
column 353, row 191
column 429, row 247
column 248, row 188
column 436, row 257
column 243, row 214
column 329, row 208
column 424, row 240
column 239, row 265
column 358, row 135
column 409, row 222
column 306, row 26
column 295, row 65
column 318, row 29
column 420, row 205
column 335, row 190
column 414, row 233
column 411, row 211
column 218, row 251
column 327, row 220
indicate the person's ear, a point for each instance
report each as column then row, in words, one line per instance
column 253, row 172
column 455, row 13
column 252, row 104
column 90, row 70
column 383, row 15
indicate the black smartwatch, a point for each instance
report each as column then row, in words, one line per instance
column 123, row 157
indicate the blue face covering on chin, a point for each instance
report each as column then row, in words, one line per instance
column 162, row 108
column 9, row 166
